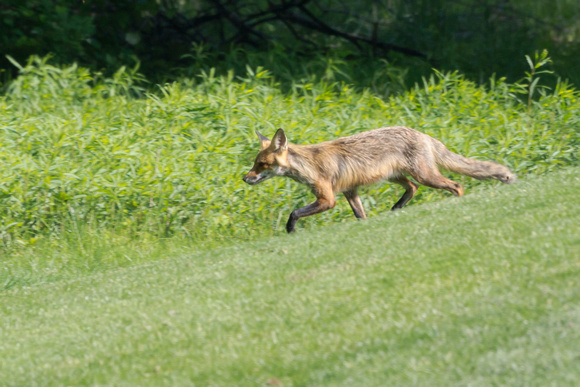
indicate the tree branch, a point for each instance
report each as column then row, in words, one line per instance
column 320, row 26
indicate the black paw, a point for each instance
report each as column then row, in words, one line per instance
column 291, row 223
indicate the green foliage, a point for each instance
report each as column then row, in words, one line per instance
column 474, row 291
column 481, row 38
column 478, row 38
column 78, row 149
column 380, row 76
column 41, row 26
column 529, row 83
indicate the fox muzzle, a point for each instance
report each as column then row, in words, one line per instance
column 249, row 179
column 253, row 178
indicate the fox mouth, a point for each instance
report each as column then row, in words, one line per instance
column 255, row 180
column 252, row 181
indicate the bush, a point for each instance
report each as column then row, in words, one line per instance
column 78, row 149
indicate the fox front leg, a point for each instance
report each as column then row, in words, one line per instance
column 355, row 203
column 320, row 205
column 324, row 201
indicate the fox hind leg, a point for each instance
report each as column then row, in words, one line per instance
column 410, row 190
column 355, row 203
column 431, row 177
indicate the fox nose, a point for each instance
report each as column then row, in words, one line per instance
column 245, row 178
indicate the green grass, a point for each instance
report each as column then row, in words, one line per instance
column 82, row 153
column 480, row 290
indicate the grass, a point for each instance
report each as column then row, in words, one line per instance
column 84, row 154
column 133, row 253
column 480, row 290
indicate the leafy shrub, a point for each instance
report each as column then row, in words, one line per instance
column 77, row 149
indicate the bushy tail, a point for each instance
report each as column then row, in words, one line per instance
column 477, row 169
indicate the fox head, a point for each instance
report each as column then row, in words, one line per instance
column 272, row 160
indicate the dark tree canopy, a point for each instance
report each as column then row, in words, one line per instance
column 478, row 37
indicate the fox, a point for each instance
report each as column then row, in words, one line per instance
column 347, row 163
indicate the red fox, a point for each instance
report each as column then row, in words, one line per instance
column 345, row 164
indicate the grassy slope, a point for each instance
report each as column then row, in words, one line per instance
column 478, row 290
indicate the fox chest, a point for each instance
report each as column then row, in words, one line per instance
column 299, row 179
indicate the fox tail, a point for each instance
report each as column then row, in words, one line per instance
column 477, row 169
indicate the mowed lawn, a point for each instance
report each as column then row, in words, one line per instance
column 480, row 290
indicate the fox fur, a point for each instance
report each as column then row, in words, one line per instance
column 344, row 164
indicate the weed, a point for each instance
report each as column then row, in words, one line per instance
column 82, row 151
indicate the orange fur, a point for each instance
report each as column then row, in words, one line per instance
column 346, row 163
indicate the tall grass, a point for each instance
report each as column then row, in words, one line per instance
column 114, row 155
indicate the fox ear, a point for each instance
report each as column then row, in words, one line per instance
column 279, row 141
column 264, row 141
